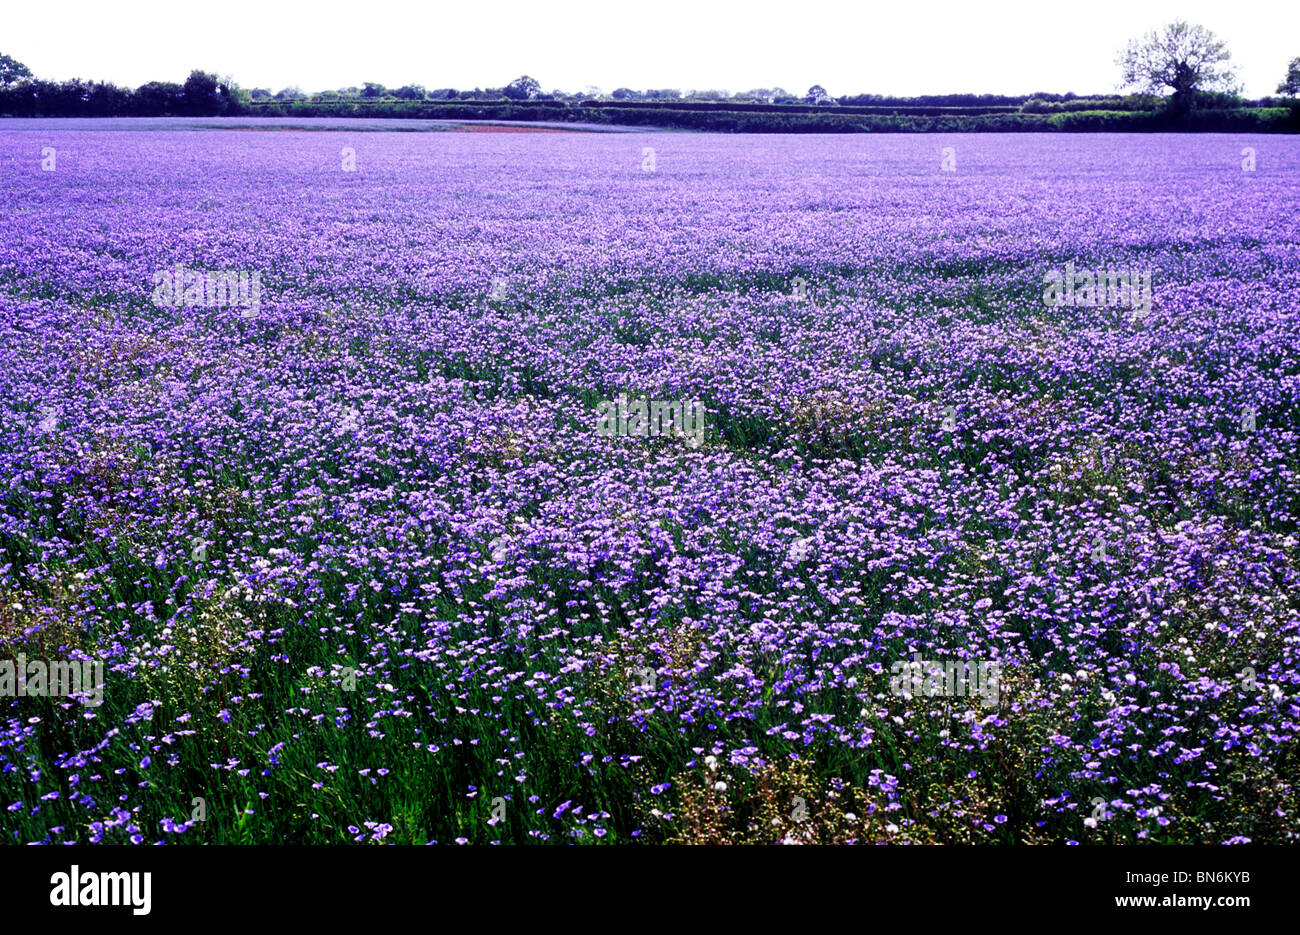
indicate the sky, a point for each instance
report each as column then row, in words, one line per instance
column 902, row 47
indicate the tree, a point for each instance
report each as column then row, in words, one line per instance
column 1183, row 59
column 108, row 100
column 522, row 89
column 371, row 89
column 202, row 94
column 1291, row 85
column 158, row 98
column 817, row 95
column 12, row 70
column 410, row 92
column 233, row 97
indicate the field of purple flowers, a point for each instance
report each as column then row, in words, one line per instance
column 360, row 567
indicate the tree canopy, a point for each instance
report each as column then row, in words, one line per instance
column 12, row 70
column 1182, row 59
column 1291, row 83
column 522, row 89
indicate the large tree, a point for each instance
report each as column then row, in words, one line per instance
column 12, row 70
column 1182, row 60
column 817, row 95
column 1291, row 84
column 522, row 89
column 201, row 94
column 156, row 98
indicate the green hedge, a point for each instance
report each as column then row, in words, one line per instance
column 36, row 99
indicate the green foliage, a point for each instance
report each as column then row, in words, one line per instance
column 1182, row 60
column 12, row 70
column 818, row 95
column 522, row 89
column 760, row 110
column 1290, row 85
column 201, row 94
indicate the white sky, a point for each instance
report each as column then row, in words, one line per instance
column 851, row 46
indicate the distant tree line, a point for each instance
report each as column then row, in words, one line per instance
column 1181, row 76
column 207, row 95
column 202, row 95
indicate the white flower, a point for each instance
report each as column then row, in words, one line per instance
column 50, row 422
column 720, row 786
column 711, row 762
column 891, row 828
column 849, row 816
column 799, row 549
